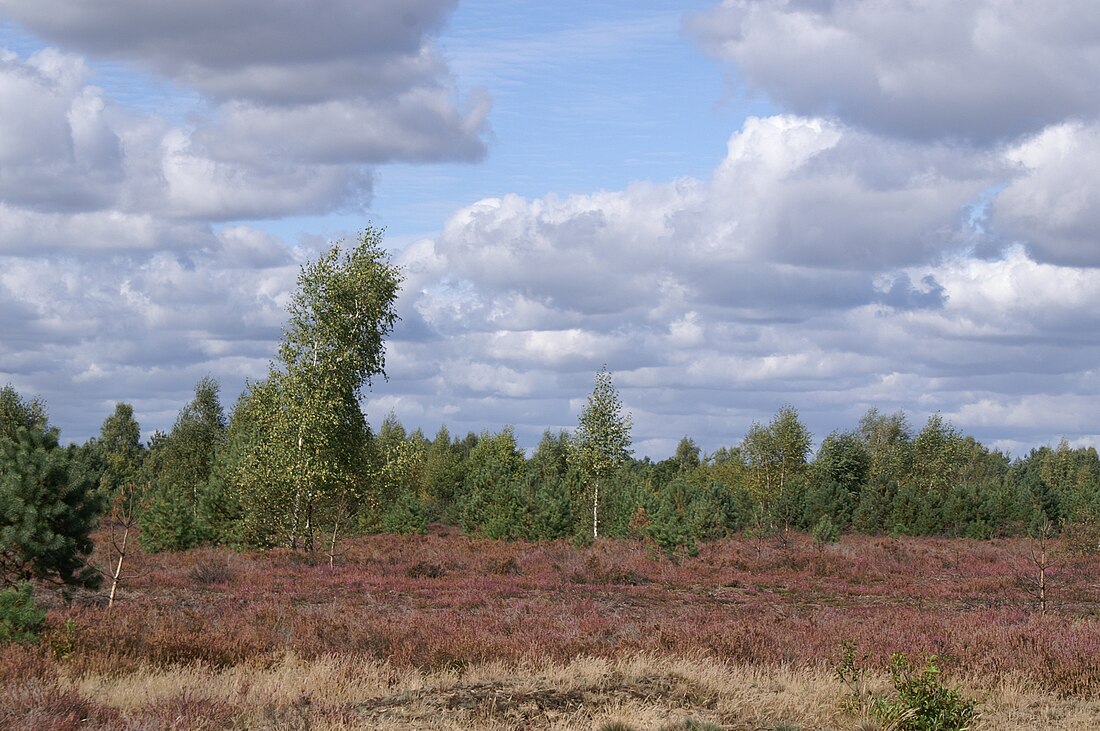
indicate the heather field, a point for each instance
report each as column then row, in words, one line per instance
column 448, row 631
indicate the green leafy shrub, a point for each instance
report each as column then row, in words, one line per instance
column 849, row 671
column 923, row 702
column 20, row 617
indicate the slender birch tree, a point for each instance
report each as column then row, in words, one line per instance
column 602, row 440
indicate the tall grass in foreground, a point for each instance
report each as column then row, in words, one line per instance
column 346, row 692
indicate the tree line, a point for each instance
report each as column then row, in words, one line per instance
column 296, row 464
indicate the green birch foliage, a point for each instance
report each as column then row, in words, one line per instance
column 889, row 441
column 16, row 412
column 843, row 459
column 307, row 463
column 775, row 454
column 688, row 455
column 236, row 467
column 398, row 498
column 399, row 461
column 601, row 442
column 727, row 467
column 1072, row 479
column 939, row 456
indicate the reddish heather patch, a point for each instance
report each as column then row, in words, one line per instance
column 444, row 599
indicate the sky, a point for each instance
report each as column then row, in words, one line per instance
column 835, row 205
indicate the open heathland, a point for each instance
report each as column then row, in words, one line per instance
column 448, row 631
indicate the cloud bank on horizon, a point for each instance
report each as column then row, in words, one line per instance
column 915, row 225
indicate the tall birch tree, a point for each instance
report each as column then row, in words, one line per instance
column 308, row 456
column 602, row 440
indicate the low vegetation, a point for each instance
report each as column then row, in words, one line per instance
column 448, row 631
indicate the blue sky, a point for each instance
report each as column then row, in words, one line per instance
column 735, row 206
column 586, row 96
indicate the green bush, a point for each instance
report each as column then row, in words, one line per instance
column 47, row 514
column 923, row 702
column 20, row 617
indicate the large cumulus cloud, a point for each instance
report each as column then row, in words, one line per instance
column 295, row 106
column 978, row 70
column 338, row 82
column 86, row 332
column 1054, row 203
column 797, row 205
column 58, row 150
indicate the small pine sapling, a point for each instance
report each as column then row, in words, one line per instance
column 20, row 617
column 825, row 533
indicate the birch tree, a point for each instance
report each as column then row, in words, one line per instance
column 602, row 440
column 310, row 433
column 775, row 453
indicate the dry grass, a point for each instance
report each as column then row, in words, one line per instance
column 641, row 691
column 341, row 693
